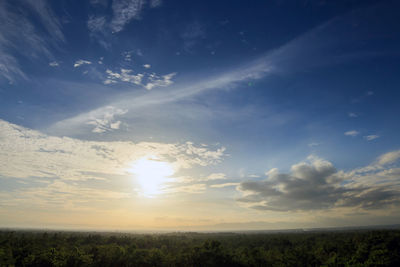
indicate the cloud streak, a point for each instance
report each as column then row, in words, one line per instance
column 290, row 57
column 20, row 37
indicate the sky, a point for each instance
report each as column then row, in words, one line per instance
column 225, row 115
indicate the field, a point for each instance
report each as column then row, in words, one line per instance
column 319, row 248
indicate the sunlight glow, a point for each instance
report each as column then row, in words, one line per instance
column 151, row 174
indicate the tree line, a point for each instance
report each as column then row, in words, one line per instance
column 341, row 248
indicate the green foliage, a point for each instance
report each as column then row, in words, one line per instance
column 356, row 248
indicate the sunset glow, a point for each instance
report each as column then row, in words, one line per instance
column 151, row 174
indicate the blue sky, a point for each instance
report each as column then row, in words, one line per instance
column 252, row 110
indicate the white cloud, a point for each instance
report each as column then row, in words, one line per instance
column 148, row 81
column 147, row 66
column 127, row 56
column 81, row 62
column 107, row 122
column 371, row 137
column 26, row 153
column 157, row 81
column 389, row 157
column 54, row 64
column 216, row 176
column 124, row 76
column 224, row 185
column 231, row 79
column 352, row 133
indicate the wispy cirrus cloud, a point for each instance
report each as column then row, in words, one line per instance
column 290, row 57
column 19, row 35
column 155, row 3
column 123, row 12
column 191, row 35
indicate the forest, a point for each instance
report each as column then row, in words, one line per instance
column 316, row 248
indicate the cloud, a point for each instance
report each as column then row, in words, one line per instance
column 389, row 157
column 20, row 36
column 314, row 144
column 54, row 64
column 107, row 122
column 317, row 185
column 124, row 11
column 191, row 189
column 96, row 24
column 124, row 76
column 216, row 176
column 9, row 68
column 132, row 101
column 352, row 133
column 321, row 42
column 102, row 26
column 148, row 81
column 81, row 62
column 352, row 115
column 157, row 81
column 223, row 185
column 48, row 18
column 371, row 137
column 26, row 153
column 192, row 34
column 99, row 2
column 147, row 66
column 155, row 3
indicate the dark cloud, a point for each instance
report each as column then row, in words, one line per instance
column 315, row 185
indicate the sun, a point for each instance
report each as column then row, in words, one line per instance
column 151, row 174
